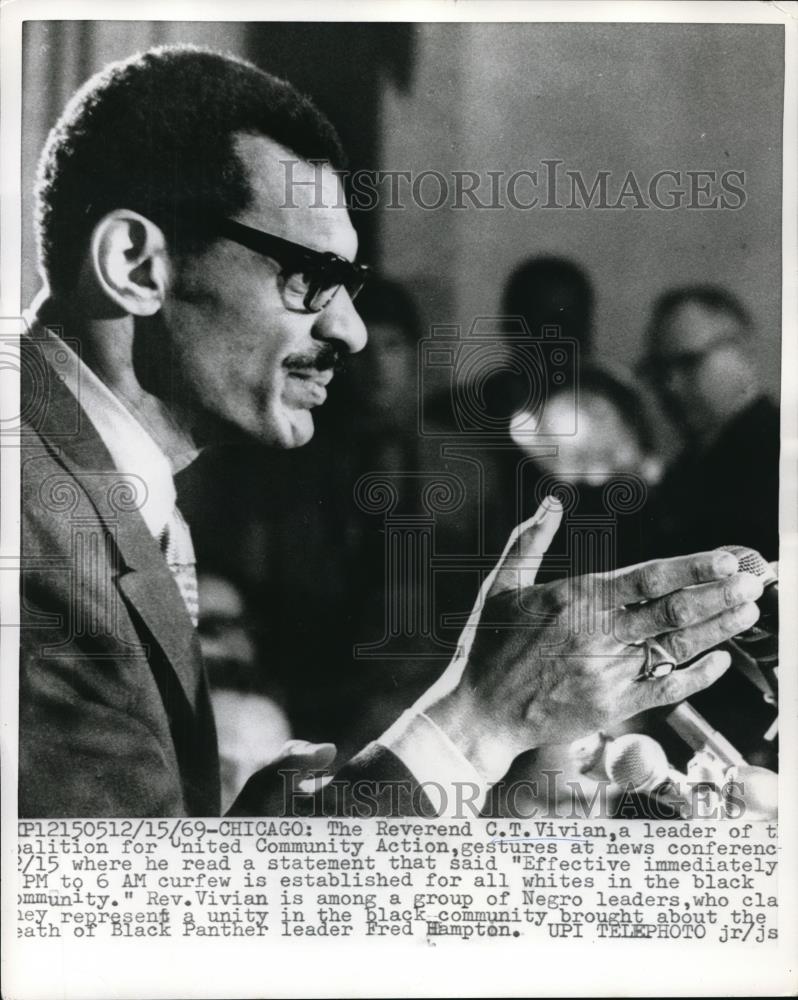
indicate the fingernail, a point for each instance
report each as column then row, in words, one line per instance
column 551, row 505
column 725, row 563
column 750, row 587
column 748, row 614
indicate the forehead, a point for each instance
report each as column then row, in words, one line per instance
column 693, row 326
column 294, row 199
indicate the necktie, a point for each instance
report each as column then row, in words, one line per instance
column 178, row 551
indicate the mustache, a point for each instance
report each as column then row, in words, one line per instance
column 325, row 358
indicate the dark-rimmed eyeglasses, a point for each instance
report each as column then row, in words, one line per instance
column 309, row 278
column 660, row 367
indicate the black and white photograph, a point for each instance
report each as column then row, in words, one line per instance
column 398, row 483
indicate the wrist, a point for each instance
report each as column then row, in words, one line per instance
column 487, row 747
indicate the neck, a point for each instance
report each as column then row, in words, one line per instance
column 106, row 346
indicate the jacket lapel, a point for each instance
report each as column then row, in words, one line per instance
column 144, row 578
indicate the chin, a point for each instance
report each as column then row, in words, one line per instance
column 293, row 430
column 280, row 427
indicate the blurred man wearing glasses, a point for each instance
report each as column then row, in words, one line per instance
column 189, row 301
column 724, row 487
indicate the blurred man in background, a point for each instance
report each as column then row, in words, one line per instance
column 553, row 291
column 597, row 444
column 724, row 487
column 543, row 293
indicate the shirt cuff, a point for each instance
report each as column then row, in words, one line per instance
column 451, row 782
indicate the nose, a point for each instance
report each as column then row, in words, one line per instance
column 340, row 323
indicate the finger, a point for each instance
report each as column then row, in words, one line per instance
column 684, row 683
column 686, row 607
column 265, row 792
column 520, row 560
column 526, row 547
column 663, row 576
column 300, row 755
column 685, row 644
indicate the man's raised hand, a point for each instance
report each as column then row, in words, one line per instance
column 549, row 663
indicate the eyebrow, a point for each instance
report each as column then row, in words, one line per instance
column 260, row 241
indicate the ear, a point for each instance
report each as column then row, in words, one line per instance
column 130, row 261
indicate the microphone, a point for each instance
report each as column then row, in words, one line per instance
column 700, row 736
column 752, row 792
column 759, row 645
column 750, row 561
column 638, row 762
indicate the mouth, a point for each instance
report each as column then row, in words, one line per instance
column 322, row 378
column 310, row 386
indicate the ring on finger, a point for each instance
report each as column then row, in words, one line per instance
column 658, row 662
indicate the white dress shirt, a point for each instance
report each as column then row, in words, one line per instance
column 452, row 783
column 132, row 449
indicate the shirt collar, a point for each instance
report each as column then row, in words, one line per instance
column 132, row 449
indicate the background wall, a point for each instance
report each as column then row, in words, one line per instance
column 611, row 97
column 505, row 97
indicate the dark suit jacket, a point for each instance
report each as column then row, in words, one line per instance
column 115, row 718
column 726, row 495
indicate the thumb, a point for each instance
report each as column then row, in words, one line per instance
column 517, row 566
column 264, row 794
column 522, row 556
column 299, row 755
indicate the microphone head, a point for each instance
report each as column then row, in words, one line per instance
column 767, row 627
column 756, row 788
column 637, row 762
column 750, row 561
